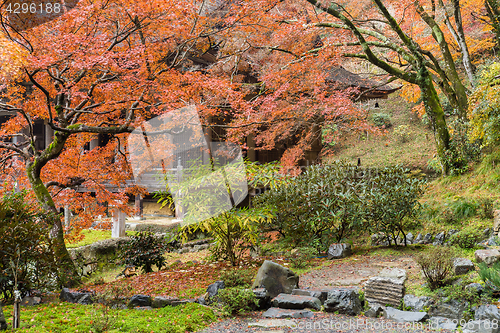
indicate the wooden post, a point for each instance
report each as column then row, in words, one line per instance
column 139, row 207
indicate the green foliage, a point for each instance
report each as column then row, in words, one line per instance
column 490, row 276
column 484, row 112
column 463, row 208
column 437, row 266
column 72, row 318
column 458, row 292
column 25, row 247
column 237, row 300
column 314, row 207
column 466, row 238
column 144, row 250
column 485, row 208
column 237, row 278
column 264, row 175
column 462, row 151
column 381, row 120
column 391, row 199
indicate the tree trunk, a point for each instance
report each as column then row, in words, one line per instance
column 68, row 274
column 435, row 112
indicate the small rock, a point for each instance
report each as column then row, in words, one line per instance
column 451, row 309
column 161, row 302
column 286, row 301
column 345, row 301
column 409, row 237
column 492, row 241
column 404, row 316
column 31, row 301
column 462, row 266
column 439, row 239
column 489, row 257
column 337, row 251
column 487, row 232
column 212, row 291
column 287, row 313
column 139, row 300
column 427, row 239
column 441, row 323
column 375, row 311
column 418, row 239
column 319, row 294
column 475, row 286
column 451, row 232
column 416, row 303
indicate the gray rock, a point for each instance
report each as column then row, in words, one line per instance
column 475, row 286
column 487, row 312
column 275, row 279
column 479, row 326
column 427, row 239
column 439, row 239
column 262, row 297
column 489, row 257
column 492, row 241
column 451, row 232
column 418, row 239
column 184, row 301
column 387, row 288
column 143, row 308
column 139, row 300
column 345, row 301
column 375, row 311
column 286, row 301
column 409, row 237
column 31, row 301
column 496, row 221
column 75, row 296
column 462, row 266
column 161, row 302
column 451, row 309
column 3, row 323
column 416, row 303
column 287, row 313
column 319, row 294
column 404, row 316
column 212, row 291
column 441, row 323
column 487, row 232
column 273, row 323
column 337, row 251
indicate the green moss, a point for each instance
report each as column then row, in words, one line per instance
column 69, row 318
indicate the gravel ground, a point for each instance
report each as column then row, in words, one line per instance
column 321, row 322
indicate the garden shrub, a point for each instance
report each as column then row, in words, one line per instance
column 25, row 244
column 490, row 276
column 437, row 266
column 144, row 250
column 485, row 208
column 237, row 300
column 237, row 278
column 314, row 207
column 463, row 208
column 381, row 120
column 390, row 201
column 403, row 133
column 466, row 238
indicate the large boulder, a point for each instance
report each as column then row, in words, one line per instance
column 337, row 251
column 386, row 289
column 3, row 323
column 345, row 301
column 76, row 297
column 286, row 301
column 161, row 302
column 276, row 279
column 488, row 313
column 139, row 301
column 489, row 257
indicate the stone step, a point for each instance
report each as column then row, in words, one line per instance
column 287, row 301
column 287, row 313
column 322, row 295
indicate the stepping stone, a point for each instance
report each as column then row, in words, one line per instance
column 286, row 301
column 437, row 323
column 405, row 316
column 287, row 313
column 387, row 288
column 272, row 323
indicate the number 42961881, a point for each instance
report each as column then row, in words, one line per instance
column 33, row 8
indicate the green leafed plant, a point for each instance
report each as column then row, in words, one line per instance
column 144, row 250
column 237, row 300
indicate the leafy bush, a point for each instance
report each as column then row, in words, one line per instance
column 463, row 208
column 381, row 120
column 485, row 208
column 437, row 266
column 490, row 276
column 466, row 238
column 237, row 278
column 314, row 207
column 462, row 151
column 25, row 247
column 390, row 198
column 237, row 300
column 144, row 250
